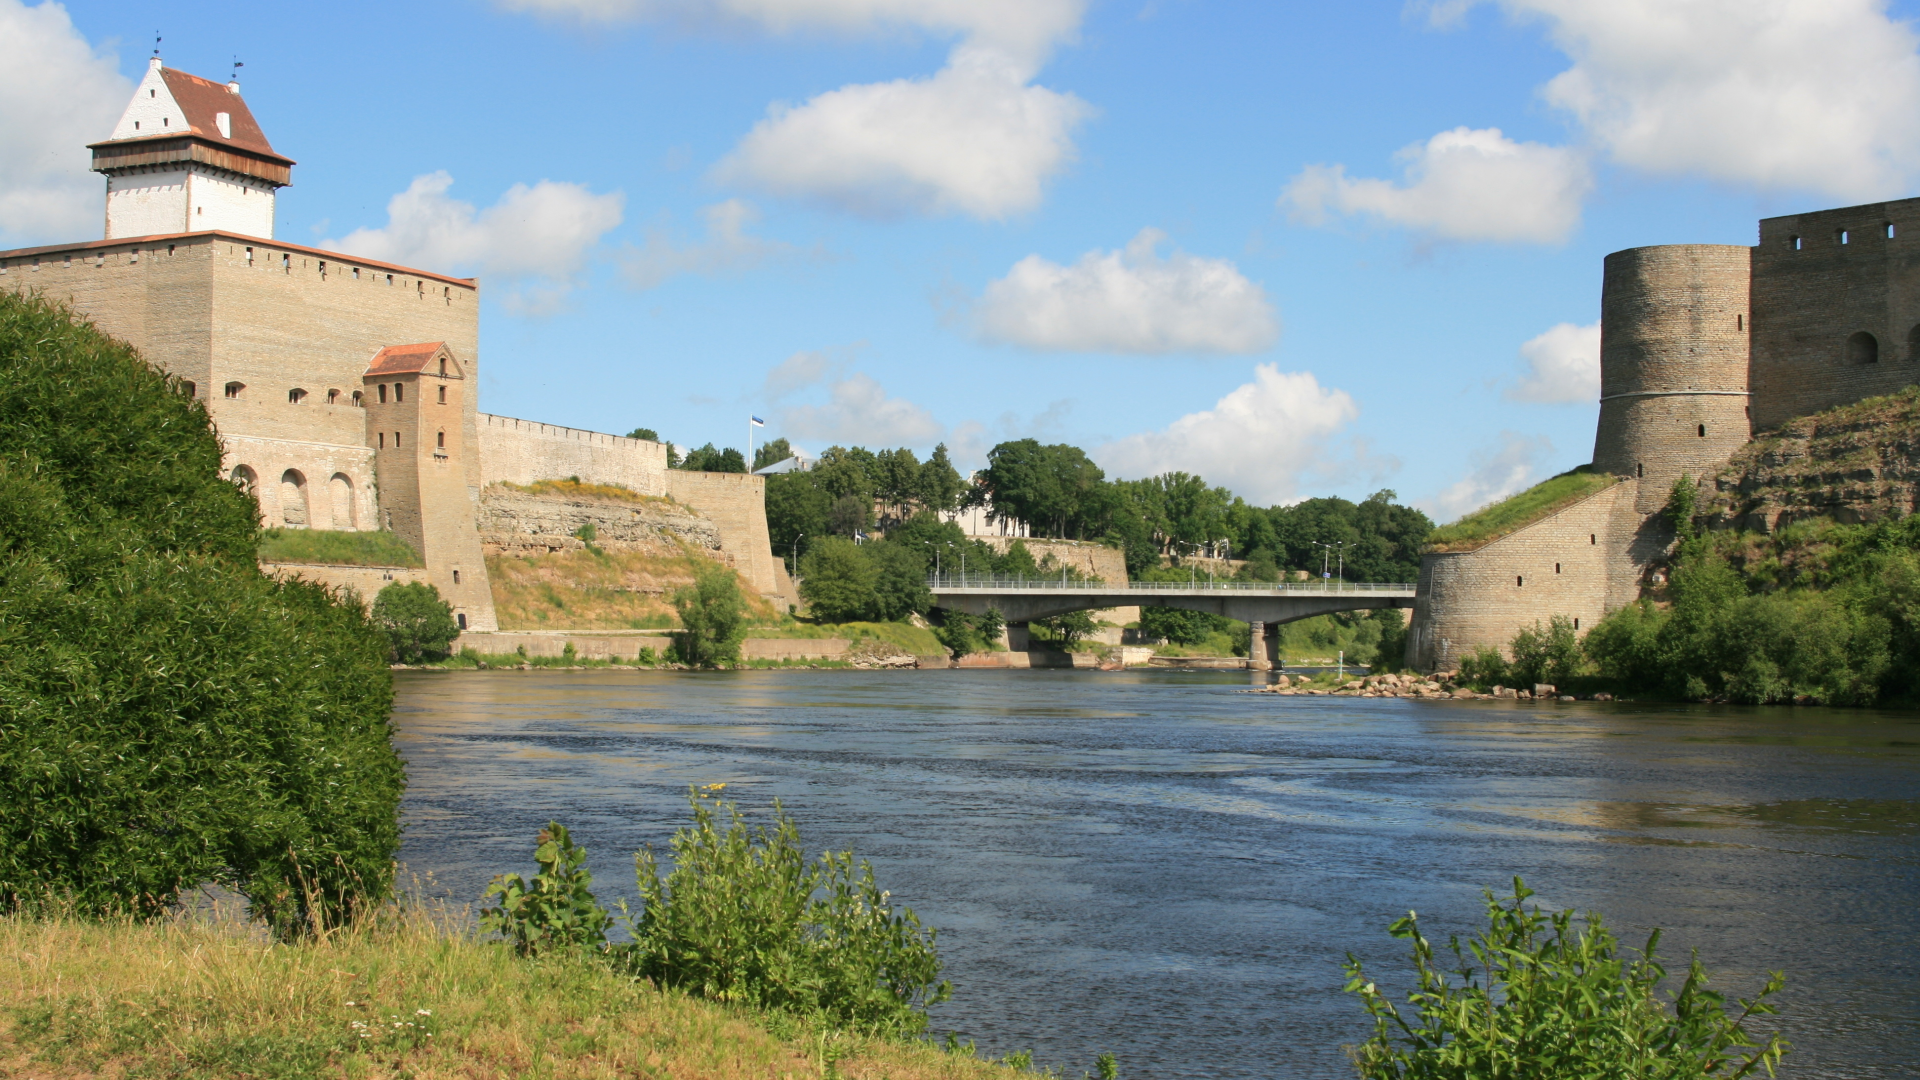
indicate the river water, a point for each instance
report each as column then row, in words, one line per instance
column 1162, row 866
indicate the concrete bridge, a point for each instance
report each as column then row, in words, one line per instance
column 1259, row 604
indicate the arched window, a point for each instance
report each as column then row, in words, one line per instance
column 1519, row 582
column 189, row 389
column 440, row 439
column 1863, row 348
column 357, row 402
column 443, row 395
column 244, row 479
column 1703, row 431
column 399, row 393
column 443, row 367
column 340, row 493
column 293, row 499
column 396, row 440
column 296, row 396
column 333, row 396
column 462, row 619
column 383, row 393
column 234, row 389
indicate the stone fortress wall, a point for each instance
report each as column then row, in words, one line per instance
column 1702, row 345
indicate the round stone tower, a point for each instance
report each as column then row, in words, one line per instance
column 1674, row 329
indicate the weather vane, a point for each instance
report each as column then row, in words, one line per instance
column 156, row 43
column 237, row 65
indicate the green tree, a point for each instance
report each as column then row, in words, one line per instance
column 713, row 618
column 849, row 514
column 418, row 624
column 709, row 459
column 1545, row 654
column 838, row 580
column 1067, row 630
column 797, row 508
column 899, row 581
column 646, row 433
column 772, row 453
column 938, row 487
column 168, row 714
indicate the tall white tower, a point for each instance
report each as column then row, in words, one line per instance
column 187, row 156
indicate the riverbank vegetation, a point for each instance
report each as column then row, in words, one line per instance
column 597, row 589
column 1816, row 613
column 172, row 715
column 1517, row 511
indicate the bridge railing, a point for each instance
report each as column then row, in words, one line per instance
column 974, row 582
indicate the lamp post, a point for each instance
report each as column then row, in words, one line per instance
column 796, row 553
column 1328, row 550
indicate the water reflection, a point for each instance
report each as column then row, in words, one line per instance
column 1163, row 866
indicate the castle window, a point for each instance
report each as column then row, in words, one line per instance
column 456, row 577
column 1556, row 568
column 443, row 395
column 1843, row 236
column 443, row 367
column 1519, row 582
column 1593, row 538
column 356, row 273
column 1703, row 431
column 243, row 478
column 234, row 388
column 1576, row 622
column 383, row 440
column 1863, row 348
column 150, row 93
column 286, row 262
column 323, row 268
column 1640, row 470
column 189, row 389
column 1739, row 322
column 296, row 396
column 166, row 121
column 440, row 440
column 399, row 392
column 1889, row 230
column 169, row 251
column 249, row 256
column 462, row 618
column 356, row 399
column 396, row 440
column 136, row 125
column 1795, row 241
column 333, row 397
column 389, row 279
column 383, row 393
column 293, row 499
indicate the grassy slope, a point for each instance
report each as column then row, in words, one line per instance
column 597, row 590
column 914, row 639
column 339, row 548
column 415, row 998
column 1515, row 512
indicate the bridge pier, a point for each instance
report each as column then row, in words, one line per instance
column 1259, row 650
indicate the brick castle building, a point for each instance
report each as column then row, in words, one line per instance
column 343, row 389
column 1701, row 345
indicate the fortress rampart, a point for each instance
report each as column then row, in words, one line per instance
column 1673, row 364
column 1836, row 298
column 523, row 451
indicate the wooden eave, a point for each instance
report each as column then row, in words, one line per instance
column 115, row 154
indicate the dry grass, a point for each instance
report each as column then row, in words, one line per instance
column 417, row 996
column 1515, row 512
column 579, row 489
column 598, row 590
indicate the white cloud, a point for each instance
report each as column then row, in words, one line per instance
column 1258, row 440
column 1813, row 94
column 1131, row 301
column 858, row 411
column 1464, row 184
column 797, row 372
column 728, row 248
column 1496, row 474
column 536, row 237
column 976, row 138
column 57, row 94
column 1563, row 365
column 1022, row 27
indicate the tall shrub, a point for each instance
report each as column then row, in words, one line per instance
column 168, row 714
column 743, row 917
column 419, row 625
column 713, row 618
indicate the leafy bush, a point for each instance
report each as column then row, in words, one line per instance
column 713, row 617
column 1066, row 630
column 877, row 582
column 1545, row 654
column 168, row 714
column 1179, row 626
column 1535, row 998
column 962, row 633
column 742, row 918
column 419, row 625
column 1484, row 667
column 557, row 909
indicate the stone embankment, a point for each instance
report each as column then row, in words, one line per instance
column 523, row 524
column 1444, row 685
column 1856, row 463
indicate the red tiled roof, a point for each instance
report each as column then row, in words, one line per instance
column 200, row 99
column 404, row 359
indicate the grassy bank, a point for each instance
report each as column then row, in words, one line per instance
column 1490, row 523
column 414, row 996
column 596, row 589
column 373, row 548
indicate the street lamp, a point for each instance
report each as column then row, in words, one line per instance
column 1329, row 549
column 796, row 553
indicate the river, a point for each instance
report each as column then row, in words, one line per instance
column 1159, row 865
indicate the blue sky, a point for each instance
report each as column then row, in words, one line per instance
column 1300, row 249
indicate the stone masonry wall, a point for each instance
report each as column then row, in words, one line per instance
column 1812, row 293
column 523, row 451
column 1582, row 562
column 736, row 503
column 519, row 524
column 364, row 581
column 1673, row 364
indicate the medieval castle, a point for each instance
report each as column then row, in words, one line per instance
column 343, row 389
column 1701, row 345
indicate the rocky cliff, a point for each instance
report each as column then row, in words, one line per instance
column 1856, row 463
column 547, row 518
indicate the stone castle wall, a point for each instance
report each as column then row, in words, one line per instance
column 1582, row 562
column 1819, row 280
column 519, row 524
column 523, row 451
column 1673, row 364
column 736, row 503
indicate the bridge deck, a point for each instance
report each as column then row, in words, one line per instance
column 1248, row 601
